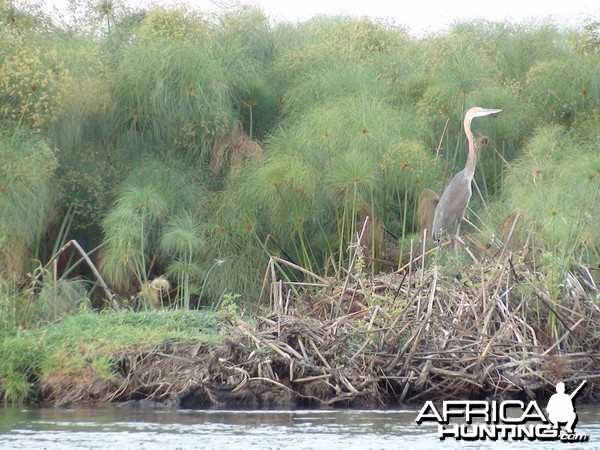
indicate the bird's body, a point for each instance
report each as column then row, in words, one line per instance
column 451, row 208
column 454, row 203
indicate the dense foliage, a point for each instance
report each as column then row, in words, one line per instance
column 189, row 148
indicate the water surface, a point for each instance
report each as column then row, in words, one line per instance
column 54, row 428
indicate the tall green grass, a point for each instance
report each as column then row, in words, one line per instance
column 328, row 121
column 556, row 185
column 20, row 368
column 27, row 198
column 147, row 211
column 183, row 241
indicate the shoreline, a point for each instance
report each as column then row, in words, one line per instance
column 360, row 352
column 421, row 333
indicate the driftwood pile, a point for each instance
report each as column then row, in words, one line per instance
column 493, row 331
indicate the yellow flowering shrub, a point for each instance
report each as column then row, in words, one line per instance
column 33, row 82
column 173, row 24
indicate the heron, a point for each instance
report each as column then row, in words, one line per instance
column 451, row 208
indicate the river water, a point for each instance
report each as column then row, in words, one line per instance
column 118, row 428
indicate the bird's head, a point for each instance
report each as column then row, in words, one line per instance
column 477, row 111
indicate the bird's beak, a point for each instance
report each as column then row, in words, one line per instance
column 482, row 112
column 493, row 112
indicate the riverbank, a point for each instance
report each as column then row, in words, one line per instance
column 489, row 330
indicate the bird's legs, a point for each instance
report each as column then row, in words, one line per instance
column 455, row 237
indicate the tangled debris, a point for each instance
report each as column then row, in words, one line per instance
column 382, row 340
column 493, row 331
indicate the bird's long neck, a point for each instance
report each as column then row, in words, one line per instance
column 472, row 156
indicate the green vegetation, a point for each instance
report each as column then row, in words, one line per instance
column 91, row 340
column 26, row 200
column 182, row 151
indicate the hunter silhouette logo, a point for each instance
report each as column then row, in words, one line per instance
column 560, row 407
column 510, row 419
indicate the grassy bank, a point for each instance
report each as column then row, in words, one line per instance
column 85, row 348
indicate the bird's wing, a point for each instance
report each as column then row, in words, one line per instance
column 453, row 202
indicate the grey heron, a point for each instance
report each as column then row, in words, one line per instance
column 451, row 208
